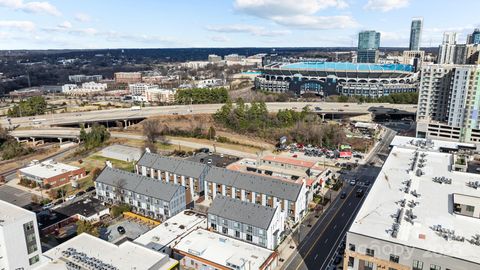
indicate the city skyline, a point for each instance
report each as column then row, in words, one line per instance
column 91, row 24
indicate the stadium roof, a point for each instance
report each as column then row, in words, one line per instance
column 347, row 66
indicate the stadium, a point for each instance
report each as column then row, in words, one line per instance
column 334, row 78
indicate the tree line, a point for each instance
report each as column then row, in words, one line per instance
column 299, row 126
column 201, row 95
column 395, row 98
column 29, row 107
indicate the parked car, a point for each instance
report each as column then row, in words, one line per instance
column 69, row 198
column 90, row 189
column 80, row 193
column 353, row 182
column 47, row 206
column 360, row 192
column 121, row 230
column 343, row 195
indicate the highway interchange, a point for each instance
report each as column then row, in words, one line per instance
column 145, row 112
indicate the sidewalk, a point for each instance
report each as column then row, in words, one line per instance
column 291, row 244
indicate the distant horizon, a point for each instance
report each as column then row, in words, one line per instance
column 90, row 24
column 188, row 48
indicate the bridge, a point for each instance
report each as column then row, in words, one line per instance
column 129, row 116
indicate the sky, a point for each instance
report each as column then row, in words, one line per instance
column 92, row 24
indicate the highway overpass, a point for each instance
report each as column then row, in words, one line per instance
column 129, row 116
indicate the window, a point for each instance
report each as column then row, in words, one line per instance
column 34, row 259
column 368, row 266
column 225, row 230
column 470, row 208
column 237, row 234
column 370, row 252
column 249, row 237
column 351, row 247
column 394, row 258
column 435, row 267
column 417, row 265
column 214, row 226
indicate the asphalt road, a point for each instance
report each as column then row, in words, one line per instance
column 319, row 248
column 116, row 114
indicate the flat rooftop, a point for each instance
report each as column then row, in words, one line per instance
column 176, row 227
column 48, row 168
column 290, row 161
column 125, row 152
column 10, row 213
column 434, row 204
column 221, row 250
column 125, row 256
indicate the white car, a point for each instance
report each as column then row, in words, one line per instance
column 353, row 182
column 69, row 198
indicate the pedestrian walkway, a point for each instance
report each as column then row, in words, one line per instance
column 291, row 244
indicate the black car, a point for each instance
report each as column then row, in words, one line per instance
column 80, row 193
column 121, row 230
column 343, row 195
column 360, row 192
column 90, row 189
column 367, row 183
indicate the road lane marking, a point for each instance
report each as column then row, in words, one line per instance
column 323, row 231
column 316, row 256
column 334, row 227
column 326, row 240
column 342, row 233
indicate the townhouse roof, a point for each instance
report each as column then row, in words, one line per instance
column 256, row 215
column 256, row 183
column 138, row 183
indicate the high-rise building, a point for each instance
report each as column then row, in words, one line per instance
column 449, row 102
column 416, row 34
column 446, row 54
column 474, row 38
column 368, row 44
column 19, row 238
column 213, row 58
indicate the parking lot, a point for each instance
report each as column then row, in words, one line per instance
column 218, row 160
column 133, row 229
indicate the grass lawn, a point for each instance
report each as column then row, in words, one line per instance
column 97, row 161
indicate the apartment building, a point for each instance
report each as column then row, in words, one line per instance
column 446, row 51
column 202, row 249
column 204, row 182
column 139, row 89
column 164, row 237
column 127, row 77
column 89, row 252
column 253, row 223
column 160, row 95
column 148, row 197
column 421, row 213
column 448, row 103
column 19, row 238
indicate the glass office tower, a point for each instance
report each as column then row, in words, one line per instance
column 416, row 34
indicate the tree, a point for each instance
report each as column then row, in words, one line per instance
column 150, row 130
column 211, row 133
column 96, row 137
column 87, row 227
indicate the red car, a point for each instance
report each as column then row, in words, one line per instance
column 295, row 156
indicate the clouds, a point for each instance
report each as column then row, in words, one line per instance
column 31, row 7
column 298, row 13
column 249, row 29
column 26, row 26
column 82, row 17
column 386, row 5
